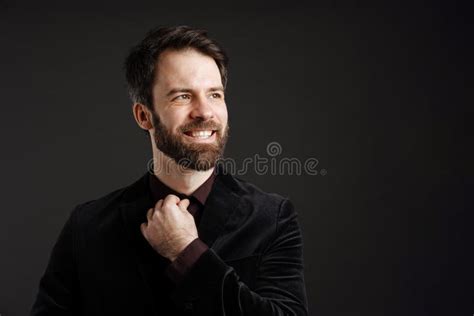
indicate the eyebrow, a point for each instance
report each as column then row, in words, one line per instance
column 177, row 90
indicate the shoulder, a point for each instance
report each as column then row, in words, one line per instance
column 258, row 194
column 267, row 204
column 106, row 206
column 258, row 215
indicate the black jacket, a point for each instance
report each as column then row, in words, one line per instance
column 101, row 264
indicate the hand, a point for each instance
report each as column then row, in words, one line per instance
column 170, row 226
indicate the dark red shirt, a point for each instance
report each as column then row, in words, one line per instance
column 177, row 270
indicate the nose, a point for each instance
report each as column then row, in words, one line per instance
column 202, row 109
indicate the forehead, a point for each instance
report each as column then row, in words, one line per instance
column 186, row 68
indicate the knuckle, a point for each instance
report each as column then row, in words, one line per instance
column 173, row 199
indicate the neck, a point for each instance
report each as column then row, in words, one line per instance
column 176, row 177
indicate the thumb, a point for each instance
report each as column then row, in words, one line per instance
column 184, row 204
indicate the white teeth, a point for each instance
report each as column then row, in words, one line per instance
column 201, row 134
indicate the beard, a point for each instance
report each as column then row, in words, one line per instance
column 188, row 154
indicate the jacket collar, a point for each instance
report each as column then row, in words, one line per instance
column 219, row 211
column 160, row 190
column 219, row 208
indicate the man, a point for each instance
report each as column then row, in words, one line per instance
column 187, row 238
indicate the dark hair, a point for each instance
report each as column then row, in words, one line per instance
column 140, row 67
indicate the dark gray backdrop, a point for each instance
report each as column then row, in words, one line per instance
column 377, row 95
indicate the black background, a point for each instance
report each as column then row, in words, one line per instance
column 378, row 94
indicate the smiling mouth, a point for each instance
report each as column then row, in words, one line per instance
column 200, row 134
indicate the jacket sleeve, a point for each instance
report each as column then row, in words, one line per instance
column 58, row 286
column 212, row 287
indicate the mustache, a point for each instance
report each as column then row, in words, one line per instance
column 207, row 125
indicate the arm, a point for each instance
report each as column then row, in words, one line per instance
column 58, row 285
column 215, row 288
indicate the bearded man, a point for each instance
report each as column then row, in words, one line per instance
column 187, row 238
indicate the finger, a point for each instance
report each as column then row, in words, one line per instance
column 184, row 204
column 143, row 227
column 149, row 214
column 170, row 201
column 159, row 204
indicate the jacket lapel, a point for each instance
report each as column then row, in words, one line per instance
column 136, row 202
column 219, row 209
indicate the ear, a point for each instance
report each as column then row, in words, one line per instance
column 142, row 116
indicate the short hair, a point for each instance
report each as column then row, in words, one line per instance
column 140, row 69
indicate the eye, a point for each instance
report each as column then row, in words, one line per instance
column 182, row 97
column 216, row 95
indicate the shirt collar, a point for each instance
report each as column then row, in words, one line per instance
column 159, row 190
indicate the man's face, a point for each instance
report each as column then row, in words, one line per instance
column 190, row 114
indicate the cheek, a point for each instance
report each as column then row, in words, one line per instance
column 173, row 121
column 223, row 115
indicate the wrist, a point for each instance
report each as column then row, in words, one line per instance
column 181, row 248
